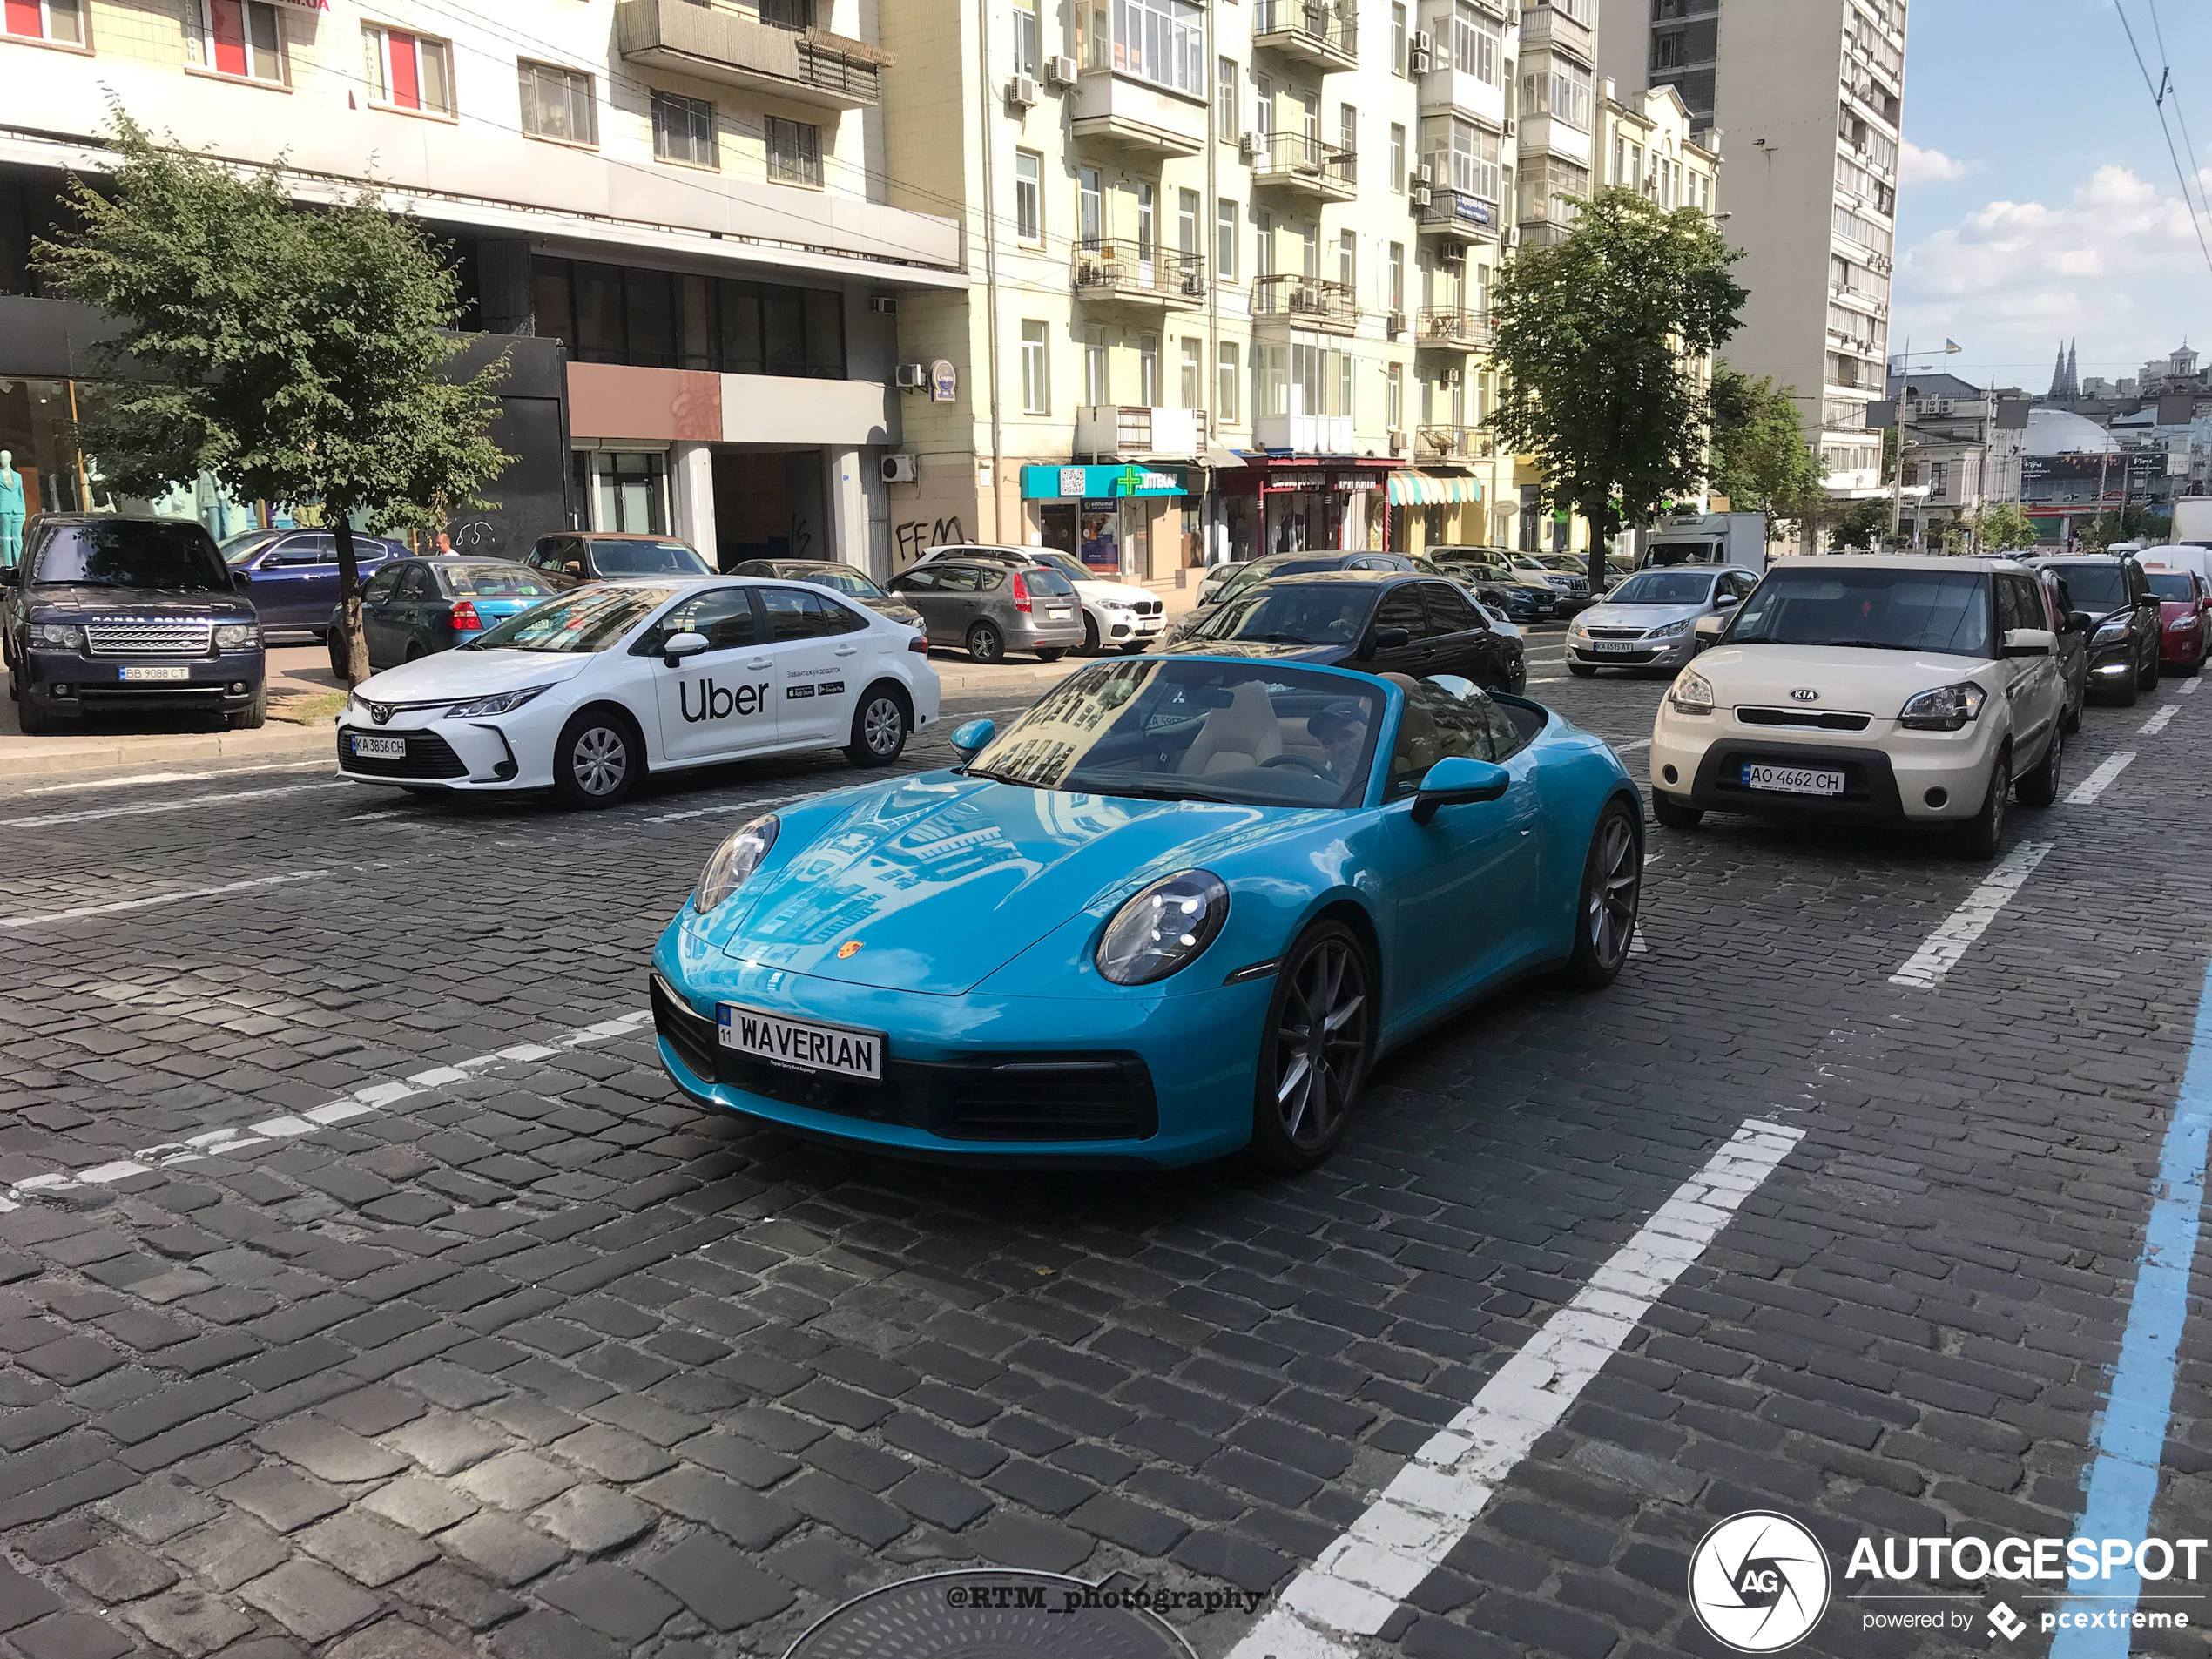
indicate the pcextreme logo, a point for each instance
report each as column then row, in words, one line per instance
column 1758, row 1582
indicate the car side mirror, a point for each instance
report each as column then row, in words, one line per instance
column 1709, row 628
column 1387, row 640
column 240, row 581
column 1455, row 781
column 2078, row 622
column 970, row 738
column 2029, row 641
column 12, row 577
column 676, row 647
column 1726, row 602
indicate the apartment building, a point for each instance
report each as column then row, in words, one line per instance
column 1810, row 96
column 673, row 214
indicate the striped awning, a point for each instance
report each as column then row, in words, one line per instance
column 1421, row 490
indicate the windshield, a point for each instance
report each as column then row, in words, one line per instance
column 1662, row 588
column 1665, row 553
column 2172, row 585
column 1887, row 609
column 501, row 580
column 1296, row 614
column 590, row 620
column 2097, row 587
column 242, row 547
column 1188, row 729
column 129, row 553
column 647, row 558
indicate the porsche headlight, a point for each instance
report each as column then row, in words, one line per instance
column 1163, row 928
column 1691, row 693
column 500, row 702
column 735, row 860
column 1944, row 709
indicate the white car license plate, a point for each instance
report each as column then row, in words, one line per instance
column 1058, row 613
column 379, row 748
column 1793, row 780
column 807, row 1044
column 1614, row 644
column 158, row 671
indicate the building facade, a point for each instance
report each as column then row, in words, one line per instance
column 683, row 205
column 1965, row 449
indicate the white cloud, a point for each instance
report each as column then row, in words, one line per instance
column 1918, row 166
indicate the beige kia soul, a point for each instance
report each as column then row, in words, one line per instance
column 1877, row 690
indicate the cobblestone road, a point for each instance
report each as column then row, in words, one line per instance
column 461, row 1329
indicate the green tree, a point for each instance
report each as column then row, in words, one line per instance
column 2005, row 525
column 1598, row 336
column 2133, row 522
column 1760, row 460
column 296, row 355
column 1859, row 523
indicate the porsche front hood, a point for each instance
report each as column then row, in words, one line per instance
column 936, row 883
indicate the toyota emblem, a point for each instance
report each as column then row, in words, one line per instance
column 382, row 712
column 1804, row 694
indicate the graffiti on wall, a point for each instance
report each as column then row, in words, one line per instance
column 910, row 539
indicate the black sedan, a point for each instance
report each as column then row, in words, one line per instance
column 1383, row 622
column 2116, row 606
column 413, row 607
column 838, row 578
column 576, row 557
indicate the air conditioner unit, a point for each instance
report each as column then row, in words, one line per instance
column 912, row 377
column 1420, row 195
column 885, row 305
column 1424, row 174
column 1395, row 324
column 1021, row 90
column 900, row 469
column 1424, row 50
column 1248, row 145
column 1452, row 377
column 1060, row 71
column 1397, row 441
column 1509, row 126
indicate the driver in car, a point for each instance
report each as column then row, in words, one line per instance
column 1343, row 737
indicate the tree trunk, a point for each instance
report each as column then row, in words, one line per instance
column 349, row 603
column 1604, row 526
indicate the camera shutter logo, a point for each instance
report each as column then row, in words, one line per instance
column 1759, row 1582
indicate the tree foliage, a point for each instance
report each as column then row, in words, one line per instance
column 296, row 355
column 1862, row 524
column 1598, row 337
column 2005, row 525
column 1760, row 460
column 2133, row 522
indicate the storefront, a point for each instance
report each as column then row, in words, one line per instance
column 1281, row 504
column 1140, row 522
column 1435, row 509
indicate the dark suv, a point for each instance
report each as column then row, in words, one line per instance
column 2113, row 604
column 111, row 612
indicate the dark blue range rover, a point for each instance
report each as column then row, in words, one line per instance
column 108, row 612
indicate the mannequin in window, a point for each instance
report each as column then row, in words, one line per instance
column 10, row 511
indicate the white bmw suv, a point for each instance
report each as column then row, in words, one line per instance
column 1877, row 690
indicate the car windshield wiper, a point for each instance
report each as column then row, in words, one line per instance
column 1284, row 639
column 1152, row 792
column 997, row 778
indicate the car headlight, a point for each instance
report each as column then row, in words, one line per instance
column 735, row 860
column 1116, row 604
column 238, row 635
column 2188, row 621
column 58, row 636
column 2111, row 634
column 1668, row 631
column 1576, row 627
column 1163, row 928
column 1944, row 709
column 501, row 703
column 1691, row 693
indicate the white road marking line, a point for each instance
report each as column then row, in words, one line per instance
column 1628, row 747
column 1636, row 947
column 144, row 808
column 1940, row 953
column 1358, row 1583
column 734, row 806
column 2158, row 722
column 1554, row 680
column 2190, row 686
column 161, row 898
column 2099, row 780
column 137, row 779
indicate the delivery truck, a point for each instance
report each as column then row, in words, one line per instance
column 1708, row 538
column 2193, row 520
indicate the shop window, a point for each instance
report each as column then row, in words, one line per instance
column 408, row 71
column 241, row 37
column 558, row 103
column 630, row 492
column 683, row 131
column 660, row 320
column 60, row 21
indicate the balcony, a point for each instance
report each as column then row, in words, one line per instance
column 1544, row 233
column 1133, row 432
column 1305, row 302
column 1292, row 161
column 1453, row 444
column 1311, row 33
column 1459, row 216
column 1547, row 25
column 1112, row 108
column 1123, row 271
column 1547, row 135
column 731, row 47
column 1450, row 328
column 1303, row 434
column 1446, row 88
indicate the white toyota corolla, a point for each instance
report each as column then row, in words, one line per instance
column 585, row 693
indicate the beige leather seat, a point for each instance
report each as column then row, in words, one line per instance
column 1246, row 733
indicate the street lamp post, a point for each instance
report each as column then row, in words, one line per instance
column 1950, row 347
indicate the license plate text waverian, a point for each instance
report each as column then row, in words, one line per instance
column 812, row 1048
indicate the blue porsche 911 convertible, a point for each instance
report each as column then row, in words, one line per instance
column 1175, row 909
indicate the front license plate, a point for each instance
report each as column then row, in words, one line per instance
column 158, row 671
column 1793, row 780
column 808, row 1045
column 1614, row 644
column 379, row 748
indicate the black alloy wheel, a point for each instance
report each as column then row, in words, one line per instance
column 1611, row 889
column 1315, row 1049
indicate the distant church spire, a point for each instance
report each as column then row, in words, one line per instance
column 2074, row 369
column 2058, row 373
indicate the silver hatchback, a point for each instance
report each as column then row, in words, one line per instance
column 989, row 609
column 1650, row 620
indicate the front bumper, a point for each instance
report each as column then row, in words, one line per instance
column 1891, row 775
column 1136, row 1081
column 1669, row 654
column 460, row 755
column 2181, row 649
column 1127, row 628
column 71, row 683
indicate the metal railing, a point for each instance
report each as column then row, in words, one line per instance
column 1293, row 158
column 1121, row 267
column 1321, row 28
column 1315, row 301
column 1453, row 326
column 835, row 71
column 1453, row 444
column 1460, row 212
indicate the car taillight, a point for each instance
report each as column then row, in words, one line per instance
column 1020, row 592
column 465, row 619
column 921, row 643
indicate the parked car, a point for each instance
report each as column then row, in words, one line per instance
column 1494, row 584
column 855, row 584
column 2126, row 634
column 1498, row 564
column 2185, row 617
column 576, row 557
column 1383, row 622
column 1566, row 576
column 2072, row 642
column 989, row 609
column 1871, row 689
column 587, row 692
column 1650, row 620
column 1226, row 582
column 111, row 611
column 292, row 575
column 1120, row 614
column 413, row 607
column 1282, row 872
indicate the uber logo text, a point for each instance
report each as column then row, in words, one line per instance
column 720, row 702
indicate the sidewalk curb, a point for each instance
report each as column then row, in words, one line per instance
column 19, row 759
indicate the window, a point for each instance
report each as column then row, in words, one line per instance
column 1194, row 373
column 241, row 37
column 1939, row 477
column 1029, row 195
column 1394, row 397
column 723, row 615
column 1397, row 276
column 1437, row 724
column 794, row 152
column 1667, row 49
column 683, row 131
column 56, row 20
column 662, row 320
column 806, row 613
column 1186, row 223
column 1309, row 251
column 630, row 492
column 1264, row 111
column 408, row 71
column 1224, row 391
column 1463, row 157
column 1559, row 89
column 1037, row 369
column 1147, row 225
column 1091, row 209
column 557, row 103
column 1225, row 240
column 1348, row 260
column 1348, row 129
column 1344, row 405
column 1477, row 45
column 1225, row 91
column 1097, row 388
column 1029, row 37
column 1398, row 60
column 1397, row 158
column 1160, row 41
column 1264, row 244
column 1147, row 371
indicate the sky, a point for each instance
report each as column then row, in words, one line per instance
column 2037, row 200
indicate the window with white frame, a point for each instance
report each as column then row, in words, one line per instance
column 1029, row 195
column 1556, row 87
column 1097, row 382
column 558, row 103
column 1348, row 129
column 1270, row 380
column 794, row 152
column 1091, row 207
column 1225, row 378
column 1193, row 372
column 1029, row 37
column 1477, row 45
column 683, row 131
column 1394, row 397
column 1160, row 41
column 1397, row 276
column 1398, row 40
column 1225, row 84
column 1397, row 158
column 1225, row 240
column 1036, row 369
column 408, row 71
column 1147, row 371
column 60, row 21
column 1186, row 223
column 1462, row 155
column 1348, row 260
column 1264, row 244
column 241, row 38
